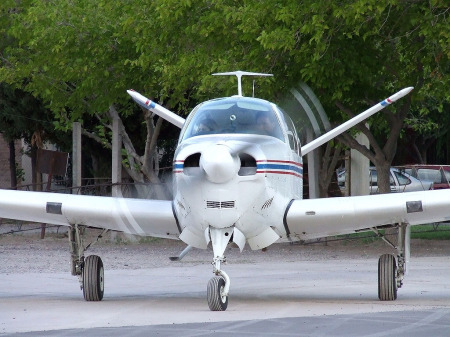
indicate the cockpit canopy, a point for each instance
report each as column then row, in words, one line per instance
column 234, row 115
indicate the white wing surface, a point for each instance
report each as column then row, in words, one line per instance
column 134, row 216
column 315, row 218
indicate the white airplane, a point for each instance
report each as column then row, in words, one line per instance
column 237, row 178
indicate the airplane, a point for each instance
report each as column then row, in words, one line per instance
column 238, row 178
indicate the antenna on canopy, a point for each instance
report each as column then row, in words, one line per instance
column 239, row 75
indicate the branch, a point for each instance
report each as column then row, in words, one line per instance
column 96, row 138
column 127, row 143
column 351, row 142
column 362, row 128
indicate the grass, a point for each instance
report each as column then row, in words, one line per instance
column 424, row 232
column 431, row 232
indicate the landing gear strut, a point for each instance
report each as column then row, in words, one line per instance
column 390, row 272
column 89, row 270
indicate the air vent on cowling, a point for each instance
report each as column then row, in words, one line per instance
column 248, row 165
column 192, row 161
column 192, row 165
column 219, row 204
column 267, row 204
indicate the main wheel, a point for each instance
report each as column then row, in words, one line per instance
column 93, row 278
column 216, row 301
column 387, row 283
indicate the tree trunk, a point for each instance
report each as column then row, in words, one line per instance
column 143, row 169
column 384, row 173
column 327, row 170
column 12, row 164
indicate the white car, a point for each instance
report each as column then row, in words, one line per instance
column 400, row 181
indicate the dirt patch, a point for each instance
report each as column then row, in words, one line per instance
column 26, row 252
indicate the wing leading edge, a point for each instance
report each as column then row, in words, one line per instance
column 133, row 216
column 315, row 218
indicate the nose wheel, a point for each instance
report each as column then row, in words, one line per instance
column 217, row 300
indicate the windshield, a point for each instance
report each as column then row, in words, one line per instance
column 234, row 115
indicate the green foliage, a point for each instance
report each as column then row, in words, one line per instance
column 21, row 115
column 20, row 173
column 81, row 56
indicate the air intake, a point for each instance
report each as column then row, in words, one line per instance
column 219, row 204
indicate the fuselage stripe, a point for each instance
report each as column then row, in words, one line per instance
column 279, row 168
column 280, row 172
column 178, row 166
column 280, row 161
column 262, row 166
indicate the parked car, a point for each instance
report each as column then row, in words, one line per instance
column 438, row 174
column 400, row 181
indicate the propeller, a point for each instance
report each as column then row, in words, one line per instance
column 219, row 163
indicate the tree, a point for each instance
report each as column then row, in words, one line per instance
column 355, row 53
column 22, row 116
column 79, row 56
column 74, row 57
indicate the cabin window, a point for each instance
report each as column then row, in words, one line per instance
column 234, row 115
column 294, row 142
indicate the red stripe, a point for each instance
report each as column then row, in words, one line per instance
column 281, row 172
column 280, row 161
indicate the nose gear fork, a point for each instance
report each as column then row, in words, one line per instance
column 219, row 286
column 216, row 270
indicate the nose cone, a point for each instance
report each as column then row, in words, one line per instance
column 218, row 164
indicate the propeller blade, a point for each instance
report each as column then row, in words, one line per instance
column 355, row 120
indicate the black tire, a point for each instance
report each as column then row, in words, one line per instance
column 216, row 301
column 93, row 278
column 387, row 274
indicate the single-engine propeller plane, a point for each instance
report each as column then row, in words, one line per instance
column 237, row 176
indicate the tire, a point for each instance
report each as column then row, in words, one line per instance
column 93, row 278
column 216, row 301
column 387, row 283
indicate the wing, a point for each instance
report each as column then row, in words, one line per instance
column 314, row 218
column 134, row 216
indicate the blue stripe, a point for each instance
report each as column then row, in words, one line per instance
column 178, row 166
column 384, row 103
column 294, row 168
column 152, row 104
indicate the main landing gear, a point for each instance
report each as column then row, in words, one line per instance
column 390, row 272
column 89, row 270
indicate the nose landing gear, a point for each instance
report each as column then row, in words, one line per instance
column 219, row 286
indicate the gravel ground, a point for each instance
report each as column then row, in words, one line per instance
column 26, row 252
